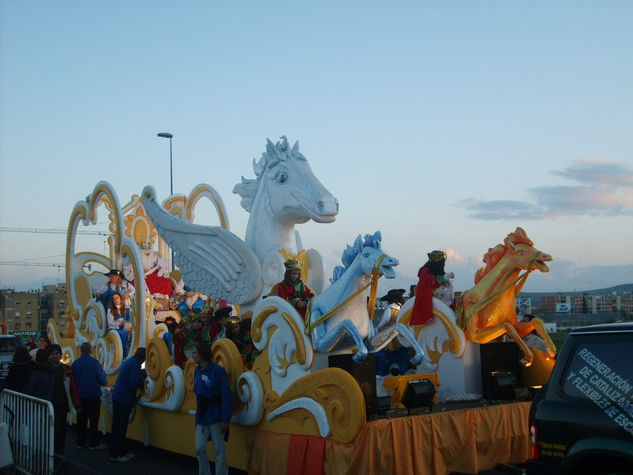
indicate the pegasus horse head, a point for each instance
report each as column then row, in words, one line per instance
column 285, row 192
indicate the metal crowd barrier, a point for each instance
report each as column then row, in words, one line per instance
column 31, row 424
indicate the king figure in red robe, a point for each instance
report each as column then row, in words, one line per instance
column 431, row 276
column 293, row 289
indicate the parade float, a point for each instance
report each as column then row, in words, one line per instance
column 292, row 411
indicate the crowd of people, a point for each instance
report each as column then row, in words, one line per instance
column 182, row 337
column 81, row 386
column 46, row 378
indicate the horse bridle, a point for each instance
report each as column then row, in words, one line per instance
column 373, row 282
column 475, row 308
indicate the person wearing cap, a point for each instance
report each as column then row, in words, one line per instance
column 431, row 276
column 114, row 284
column 394, row 354
column 293, row 289
column 395, row 300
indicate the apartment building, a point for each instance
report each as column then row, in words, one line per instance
column 19, row 311
column 589, row 304
column 54, row 299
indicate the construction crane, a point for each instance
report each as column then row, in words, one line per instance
column 52, row 231
column 29, row 264
column 37, row 264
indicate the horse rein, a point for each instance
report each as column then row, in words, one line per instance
column 373, row 282
column 475, row 308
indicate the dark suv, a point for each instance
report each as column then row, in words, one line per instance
column 583, row 420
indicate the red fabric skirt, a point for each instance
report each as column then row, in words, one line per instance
column 157, row 284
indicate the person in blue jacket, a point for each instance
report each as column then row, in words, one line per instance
column 131, row 379
column 214, row 409
column 90, row 377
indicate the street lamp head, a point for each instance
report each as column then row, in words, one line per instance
column 166, row 135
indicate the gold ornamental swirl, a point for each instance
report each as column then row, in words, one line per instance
column 156, row 363
column 256, row 331
column 189, row 404
column 340, row 396
column 257, row 323
column 226, row 354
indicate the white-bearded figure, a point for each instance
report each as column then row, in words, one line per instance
column 156, row 274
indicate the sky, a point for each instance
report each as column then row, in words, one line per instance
column 443, row 124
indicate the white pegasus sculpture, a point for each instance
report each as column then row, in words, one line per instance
column 215, row 261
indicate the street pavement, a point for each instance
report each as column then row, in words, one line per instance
column 145, row 460
column 148, row 460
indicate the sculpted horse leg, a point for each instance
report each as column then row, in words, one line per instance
column 404, row 332
column 326, row 341
column 537, row 324
column 485, row 335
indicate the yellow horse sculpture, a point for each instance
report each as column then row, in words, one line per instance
column 487, row 311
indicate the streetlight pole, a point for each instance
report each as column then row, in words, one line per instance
column 169, row 136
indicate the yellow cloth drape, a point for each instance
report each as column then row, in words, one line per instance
column 466, row 440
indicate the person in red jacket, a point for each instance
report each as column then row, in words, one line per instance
column 293, row 289
column 431, row 276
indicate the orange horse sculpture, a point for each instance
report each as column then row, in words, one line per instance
column 487, row 311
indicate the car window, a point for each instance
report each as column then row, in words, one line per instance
column 7, row 345
column 602, row 373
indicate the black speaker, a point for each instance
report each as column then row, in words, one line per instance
column 498, row 360
column 502, row 385
column 364, row 373
column 419, row 393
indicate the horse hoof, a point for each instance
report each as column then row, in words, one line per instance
column 526, row 362
column 359, row 357
column 416, row 360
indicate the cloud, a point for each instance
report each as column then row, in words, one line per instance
column 603, row 188
column 454, row 256
column 597, row 172
column 503, row 209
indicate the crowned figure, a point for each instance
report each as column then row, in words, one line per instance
column 293, row 289
column 431, row 278
column 156, row 272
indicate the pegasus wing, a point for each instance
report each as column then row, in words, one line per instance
column 212, row 259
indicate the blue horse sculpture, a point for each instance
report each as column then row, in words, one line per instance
column 339, row 317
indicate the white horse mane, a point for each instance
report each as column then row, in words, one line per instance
column 350, row 253
column 274, row 154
